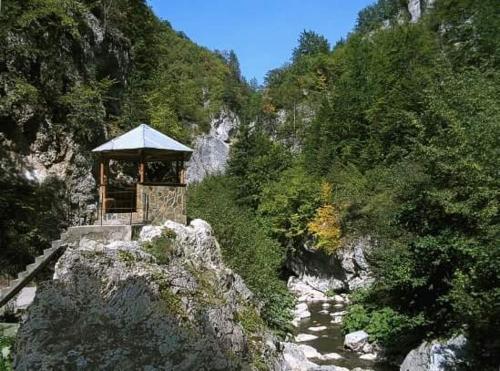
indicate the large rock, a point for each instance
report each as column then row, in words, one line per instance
column 113, row 306
column 296, row 359
column 356, row 340
column 211, row 151
column 436, row 356
column 346, row 270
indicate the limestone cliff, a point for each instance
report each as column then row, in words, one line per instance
column 211, row 150
column 165, row 301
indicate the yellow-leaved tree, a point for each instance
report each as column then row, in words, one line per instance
column 325, row 225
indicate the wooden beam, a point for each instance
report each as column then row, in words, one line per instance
column 142, row 172
column 183, row 174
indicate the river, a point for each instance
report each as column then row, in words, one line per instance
column 330, row 339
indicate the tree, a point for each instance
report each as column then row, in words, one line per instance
column 310, row 43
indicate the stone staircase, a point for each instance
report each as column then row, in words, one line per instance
column 71, row 237
column 25, row 277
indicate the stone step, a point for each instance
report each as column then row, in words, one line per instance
column 23, row 278
column 23, row 274
column 49, row 251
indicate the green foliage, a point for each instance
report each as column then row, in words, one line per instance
column 161, row 247
column 127, row 257
column 255, row 160
column 289, row 203
column 86, row 110
column 246, row 248
column 373, row 16
column 250, row 320
column 310, row 43
column 6, row 362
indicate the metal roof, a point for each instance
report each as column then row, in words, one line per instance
column 142, row 137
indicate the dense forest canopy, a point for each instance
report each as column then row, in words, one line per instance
column 392, row 133
column 400, row 123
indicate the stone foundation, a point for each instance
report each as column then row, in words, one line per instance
column 155, row 205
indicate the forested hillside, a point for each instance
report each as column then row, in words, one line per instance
column 392, row 133
column 73, row 73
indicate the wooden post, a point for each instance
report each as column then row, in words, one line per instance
column 183, row 174
column 142, row 170
column 103, row 181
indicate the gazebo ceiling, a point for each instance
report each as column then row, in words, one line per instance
column 146, row 144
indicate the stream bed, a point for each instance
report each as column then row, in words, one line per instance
column 330, row 339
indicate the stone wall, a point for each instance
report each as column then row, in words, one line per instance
column 162, row 203
column 155, row 205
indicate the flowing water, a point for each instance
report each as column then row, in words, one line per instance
column 331, row 340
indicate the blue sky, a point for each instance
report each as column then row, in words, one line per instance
column 262, row 33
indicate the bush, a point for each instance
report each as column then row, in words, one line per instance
column 245, row 246
column 162, row 246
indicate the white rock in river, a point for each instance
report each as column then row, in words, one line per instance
column 331, row 356
column 317, row 328
column 356, row 340
column 368, row 357
column 301, row 311
column 305, row 337
column 309, row 351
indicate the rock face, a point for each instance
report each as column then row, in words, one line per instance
column 436, row 356
column 417, row 7
column 211, row 151
column 114, row 306
column 346, row 270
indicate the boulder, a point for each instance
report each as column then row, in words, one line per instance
column 113, row 306
column 437, row 356
column 305, row 337
column 346, row 270
column 356, row 340
column 301, row 311
column 295, row 359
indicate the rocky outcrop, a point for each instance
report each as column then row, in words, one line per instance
column 346, row 270
column 164, row 302
column 437, row 356
column 417, row 7
column 211, row 151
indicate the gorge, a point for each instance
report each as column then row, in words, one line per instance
column 342, row 215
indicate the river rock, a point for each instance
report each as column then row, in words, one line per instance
column 437, row 356
column 368, row 357
column 301, row 311
column 317, row 328
column 295, row 358
column 113, row 306
column 346, row 270
column 356, row 340
column 305, row 292
column 309, row 351
column 331, row 356
column 305, row 337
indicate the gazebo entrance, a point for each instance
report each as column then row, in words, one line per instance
column 153, row 190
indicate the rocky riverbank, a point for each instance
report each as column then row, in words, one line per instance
column 318, row 335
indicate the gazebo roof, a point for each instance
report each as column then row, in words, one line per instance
column 143, row 141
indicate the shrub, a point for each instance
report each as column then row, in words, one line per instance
column 162, row 246
column 245, row 246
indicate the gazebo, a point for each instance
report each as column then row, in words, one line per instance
column 156, row 189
